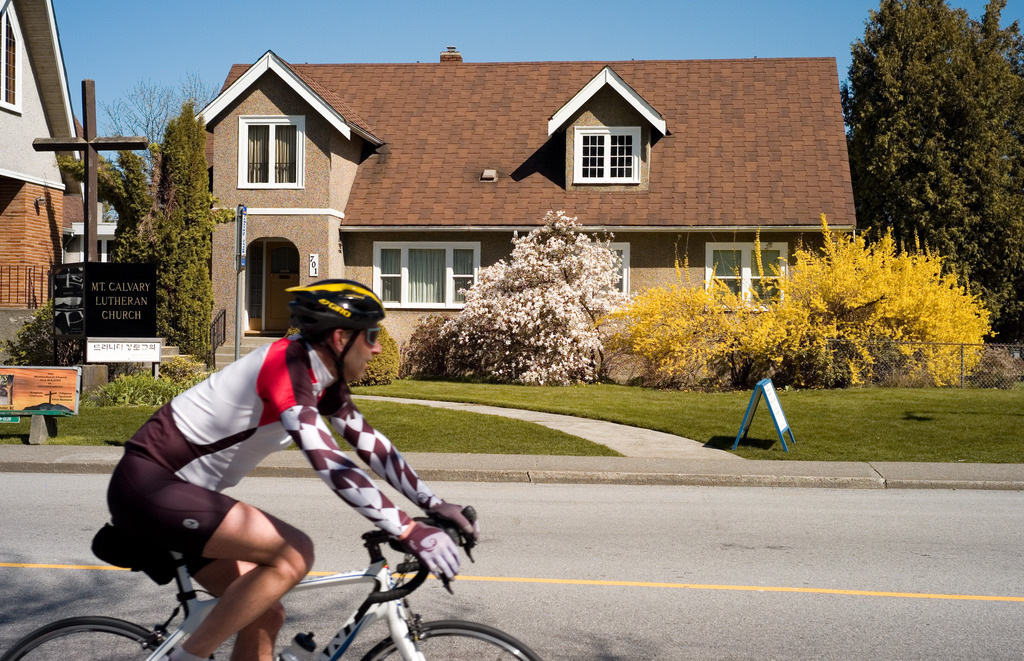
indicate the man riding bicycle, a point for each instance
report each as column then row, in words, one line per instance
column 168, row 485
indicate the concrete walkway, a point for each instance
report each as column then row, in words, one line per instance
column 629, row 441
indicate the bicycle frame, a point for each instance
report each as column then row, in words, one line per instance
column 369, row 612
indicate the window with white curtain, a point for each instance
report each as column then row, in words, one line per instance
column 736, row 266
column 424, row 274
column 10, row 60
column 270, row 152
column 622, row 250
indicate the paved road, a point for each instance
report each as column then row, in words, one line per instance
column 622, row 572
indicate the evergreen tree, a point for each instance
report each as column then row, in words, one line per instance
column 127, row 188
column 935, row 118
column 182, row 236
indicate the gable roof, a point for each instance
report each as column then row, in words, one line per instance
column 757, row 142
column 611, row 79
column 328, row 104
column 39, row 27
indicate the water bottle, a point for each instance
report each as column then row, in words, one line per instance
column 300, row 649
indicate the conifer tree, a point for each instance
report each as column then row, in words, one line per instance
column 127, row 189
column 183, row 236
column 935, row 113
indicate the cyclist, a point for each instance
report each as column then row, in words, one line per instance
column 168, row 484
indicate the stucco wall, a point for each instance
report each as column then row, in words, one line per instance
column 653, row 256
column 18, row 129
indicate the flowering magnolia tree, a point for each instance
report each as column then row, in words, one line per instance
column 533, row 319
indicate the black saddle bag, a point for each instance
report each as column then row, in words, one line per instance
column 123, row 548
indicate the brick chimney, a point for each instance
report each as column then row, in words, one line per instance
column 451, row 55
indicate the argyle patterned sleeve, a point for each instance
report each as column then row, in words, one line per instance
column 381, row 455
column 350, row 482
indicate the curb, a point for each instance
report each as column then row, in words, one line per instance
column 533, row 469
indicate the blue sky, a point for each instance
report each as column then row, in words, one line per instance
column 119, row 43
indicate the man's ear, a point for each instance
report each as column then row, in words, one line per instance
column 339, row 335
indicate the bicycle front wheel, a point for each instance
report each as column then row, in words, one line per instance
column 455, row 640
column 87, row 638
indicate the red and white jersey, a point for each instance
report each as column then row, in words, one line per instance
column 217, row 432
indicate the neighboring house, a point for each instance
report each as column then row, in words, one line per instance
column 34, row 103
column 74, row 231
column 411, row 177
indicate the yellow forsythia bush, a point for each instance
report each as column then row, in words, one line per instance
column 847, row 313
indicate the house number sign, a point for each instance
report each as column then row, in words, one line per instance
column 314, row 264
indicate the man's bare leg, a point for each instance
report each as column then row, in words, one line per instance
column 280, row 555
column 256, row 640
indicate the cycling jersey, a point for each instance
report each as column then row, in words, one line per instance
column 218, row 431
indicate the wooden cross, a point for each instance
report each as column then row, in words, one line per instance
column 90, row 145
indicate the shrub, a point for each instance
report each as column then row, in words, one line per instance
column 177, row 374
column 136, row 390
column 383, row 369
column 33, row 343
column 998, row 368
column 850, row 313
column 183, row 370
column 428, row 352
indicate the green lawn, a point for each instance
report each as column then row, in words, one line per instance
column 412, row 428
column 870, row 424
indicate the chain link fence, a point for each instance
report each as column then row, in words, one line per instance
column 932, row 364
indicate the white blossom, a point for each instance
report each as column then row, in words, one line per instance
column 534, row 319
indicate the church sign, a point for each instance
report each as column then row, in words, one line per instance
column 100, row 299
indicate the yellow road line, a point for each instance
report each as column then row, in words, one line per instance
column 21, row 565
column 632, row 584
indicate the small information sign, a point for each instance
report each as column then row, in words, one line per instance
column 10, row 418
column 766, row 389
column 121, row 350
column 39, row 390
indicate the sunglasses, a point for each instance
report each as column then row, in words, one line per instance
column 372, row 335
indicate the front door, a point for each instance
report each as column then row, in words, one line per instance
column 282, row 258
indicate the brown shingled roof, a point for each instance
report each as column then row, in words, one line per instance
column 751, row 142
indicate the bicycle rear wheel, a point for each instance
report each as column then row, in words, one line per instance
column 86, row 638
column 455, row 640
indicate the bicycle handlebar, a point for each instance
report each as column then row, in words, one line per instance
column 375, row 538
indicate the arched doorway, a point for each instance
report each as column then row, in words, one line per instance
column 273, row 267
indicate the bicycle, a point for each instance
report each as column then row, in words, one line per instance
column 101, row 637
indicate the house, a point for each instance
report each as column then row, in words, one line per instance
column 411, row 177
column 74, row 232
column 34, row 103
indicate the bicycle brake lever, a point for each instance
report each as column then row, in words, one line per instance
column 447, row 584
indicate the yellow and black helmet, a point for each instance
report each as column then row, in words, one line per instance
column 330, row 304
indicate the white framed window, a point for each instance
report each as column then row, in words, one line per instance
column 424, row 274
column 271, row 151
column 10, row 60
column 606, row 155
column 622, row 250
column 735, row 265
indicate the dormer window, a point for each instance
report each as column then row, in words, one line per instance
column 270, row 152
column 606, row 155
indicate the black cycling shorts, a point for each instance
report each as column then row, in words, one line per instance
column 148, row 499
